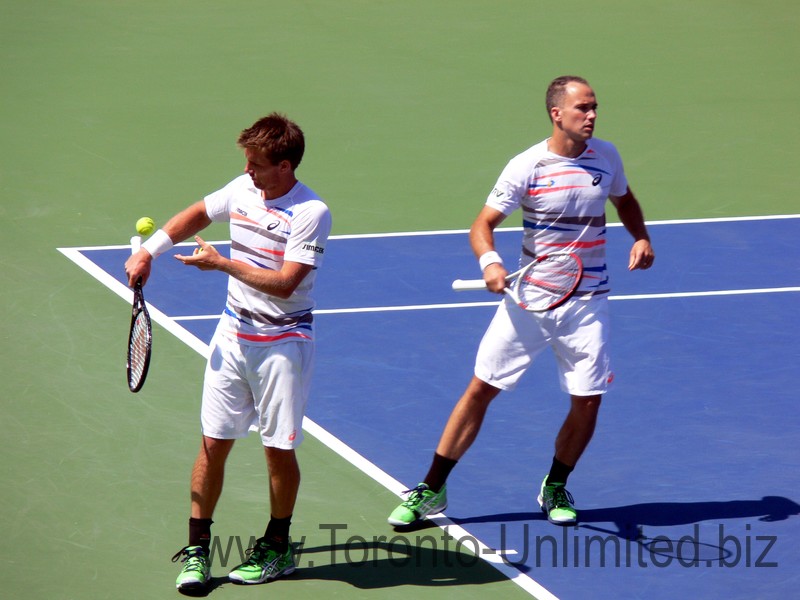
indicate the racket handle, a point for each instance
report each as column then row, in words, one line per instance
column 136, row 243
column 464, row 285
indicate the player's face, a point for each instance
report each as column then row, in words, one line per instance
column 266, row 175
column 577, row 113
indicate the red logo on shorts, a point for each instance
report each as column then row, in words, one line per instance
column 610, row 378
column 293, row 436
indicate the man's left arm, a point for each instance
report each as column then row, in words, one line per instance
column 631, row 216
column 281, row 283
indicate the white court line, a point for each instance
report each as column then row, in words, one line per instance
column 513, row 229
column 356, row 236
column 708, row 293
column 490, row 555
column 373, row 309
column 368, row 309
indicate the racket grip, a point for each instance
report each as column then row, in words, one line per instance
column 136, row 243
column 465, row 285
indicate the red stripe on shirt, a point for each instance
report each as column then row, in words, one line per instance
column 251, row 337
column 550, row 190
column 571, row 245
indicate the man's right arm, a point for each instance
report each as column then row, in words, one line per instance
column 183, row 225
column 481, row 238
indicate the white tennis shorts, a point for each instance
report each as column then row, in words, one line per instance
column 577, row 331
column 257, row 388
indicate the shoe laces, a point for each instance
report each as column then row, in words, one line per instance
column 258, row 552
column 193, row 556
column 415, row 494
column 561, row 497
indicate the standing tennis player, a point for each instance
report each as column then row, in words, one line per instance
column 561, row 184
column 259, row 370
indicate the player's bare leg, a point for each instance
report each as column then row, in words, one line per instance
column 208, row 475
column 466, row 419
column 578, row 428
column 572, row 440
column 284, row 481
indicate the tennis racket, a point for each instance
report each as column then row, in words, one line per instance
column 140, row 339
column 541, row 285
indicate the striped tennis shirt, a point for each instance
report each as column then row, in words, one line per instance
column 563, row 204
column 264, row 234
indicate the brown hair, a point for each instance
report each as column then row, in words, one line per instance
column 277, row 137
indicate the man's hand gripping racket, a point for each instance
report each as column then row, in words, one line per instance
column 543, row 284
column 140, row 338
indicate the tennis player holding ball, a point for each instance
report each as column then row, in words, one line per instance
column 259, row 370
column 561, row 184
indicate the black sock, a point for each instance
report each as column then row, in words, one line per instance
column 559, row 473
column 277, row 533
column 439, row 472
column 200, row 532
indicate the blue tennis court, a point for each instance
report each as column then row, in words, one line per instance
column 689, row 488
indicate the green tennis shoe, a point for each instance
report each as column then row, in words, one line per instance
column 196, row 571
column 263, row 563
column 557, row 503
column 421, row 502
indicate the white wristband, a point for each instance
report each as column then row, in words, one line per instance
column 158, row 243
column 489, row 258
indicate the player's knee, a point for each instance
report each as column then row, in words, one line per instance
column 481, row 392
column 588, row 404
column 215, row 449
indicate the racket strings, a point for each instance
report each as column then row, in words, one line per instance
column 139, row 344
column 557, row 284
column 548, row 281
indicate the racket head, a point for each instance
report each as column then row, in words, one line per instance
column 140, row 341
column 548, row 281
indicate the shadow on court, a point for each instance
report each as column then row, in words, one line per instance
column 398, row 561
column 628, row 520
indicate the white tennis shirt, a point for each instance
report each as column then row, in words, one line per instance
column 264, row 234
column 563, row 204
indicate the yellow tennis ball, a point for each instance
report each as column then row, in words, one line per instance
column 145, row 226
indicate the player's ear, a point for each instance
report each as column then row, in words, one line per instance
column 555, row 114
